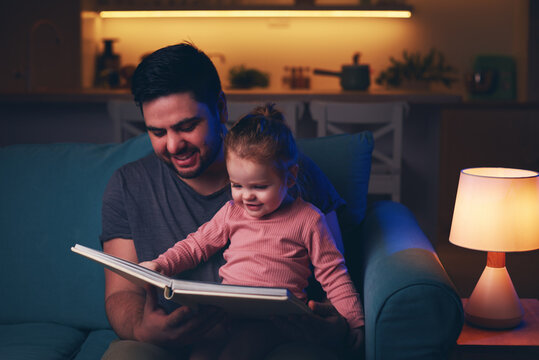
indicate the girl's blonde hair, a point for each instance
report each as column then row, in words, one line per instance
column 262, row 136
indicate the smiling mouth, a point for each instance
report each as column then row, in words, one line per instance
column 253, row 206
column 186, row 159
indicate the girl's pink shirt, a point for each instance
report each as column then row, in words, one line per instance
column 275, row 251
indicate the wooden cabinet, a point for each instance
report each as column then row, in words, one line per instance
column 41, row 43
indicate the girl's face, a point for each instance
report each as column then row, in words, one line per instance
column 256, row 187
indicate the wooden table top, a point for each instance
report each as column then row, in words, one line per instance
column 526, row 334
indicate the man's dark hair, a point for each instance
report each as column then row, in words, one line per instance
column 180, row 68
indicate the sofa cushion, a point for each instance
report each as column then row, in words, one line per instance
column 346, row 161
column 39, row 341
column 96, row 344
column 51, row 199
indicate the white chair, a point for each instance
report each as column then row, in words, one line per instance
column 127, row 120
column 385, row 121
column 290, row 109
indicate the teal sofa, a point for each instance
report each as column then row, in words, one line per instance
column 52, row 299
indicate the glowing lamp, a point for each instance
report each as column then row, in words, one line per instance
column 496, row 210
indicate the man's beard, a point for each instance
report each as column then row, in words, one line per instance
column 205, row 162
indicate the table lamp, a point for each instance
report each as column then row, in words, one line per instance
column 496, row 210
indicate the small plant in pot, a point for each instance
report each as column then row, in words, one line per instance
column 418, row 71
column 241, row 77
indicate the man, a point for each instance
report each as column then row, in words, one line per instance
column 155, row 201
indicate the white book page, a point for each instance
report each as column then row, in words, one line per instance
column 123, row 267
column 247, row 300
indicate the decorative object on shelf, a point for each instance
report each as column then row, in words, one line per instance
column 297, row 77
column 352, row 77
column 496, row 210
column 493, row 78
column 415, row 69
column 241, row 77
column 107, row 69
column 126, row 76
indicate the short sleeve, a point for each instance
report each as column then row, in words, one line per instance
column 114, row 219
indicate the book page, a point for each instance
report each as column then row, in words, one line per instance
column 131, row 271
column 245, row 301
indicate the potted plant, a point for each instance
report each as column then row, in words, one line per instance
column 417, row 71
column 241, row 77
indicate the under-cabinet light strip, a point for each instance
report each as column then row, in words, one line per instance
column 257, row 13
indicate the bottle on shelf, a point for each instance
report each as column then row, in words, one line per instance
column 107, row 72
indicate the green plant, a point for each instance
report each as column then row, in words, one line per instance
column 414, row 67
column 243, row 78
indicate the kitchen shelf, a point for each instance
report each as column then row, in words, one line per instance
column 260, row 95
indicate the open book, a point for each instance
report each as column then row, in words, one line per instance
column 246, row 301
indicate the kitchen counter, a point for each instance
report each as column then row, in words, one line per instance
column 451, row 100
column 102, row 95
column 344, row 96
column 67, row 96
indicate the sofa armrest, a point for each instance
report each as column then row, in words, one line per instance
column 412, row 310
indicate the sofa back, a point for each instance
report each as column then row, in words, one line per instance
column 346, row 161
column 51, row 199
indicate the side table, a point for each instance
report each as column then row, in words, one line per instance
column 521, row 342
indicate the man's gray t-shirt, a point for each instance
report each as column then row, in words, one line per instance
column 146, row 201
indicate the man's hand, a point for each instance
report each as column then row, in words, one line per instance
column 182, row 327
column 326, row 326
column 134, row 313
column 356, row 343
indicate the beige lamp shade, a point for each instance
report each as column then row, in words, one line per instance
column 496, row 209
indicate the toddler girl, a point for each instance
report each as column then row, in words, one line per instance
column 274, row 238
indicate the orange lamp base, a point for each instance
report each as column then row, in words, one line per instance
column 494, row 302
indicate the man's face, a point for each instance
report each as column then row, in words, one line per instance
column 183, row 132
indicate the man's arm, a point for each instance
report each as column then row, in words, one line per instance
column 124, row 301
column 134, row 314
